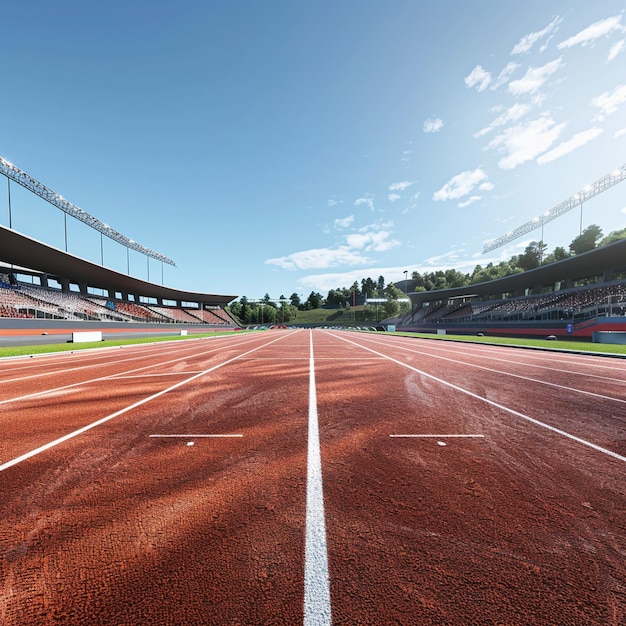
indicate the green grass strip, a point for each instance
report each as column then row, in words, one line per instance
column 543, row 344
column 90, row 345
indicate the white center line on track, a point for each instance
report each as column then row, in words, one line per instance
column 316, row 580
column 84, row 429
column 563, row 433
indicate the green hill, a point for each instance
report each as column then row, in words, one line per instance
column 340, row 317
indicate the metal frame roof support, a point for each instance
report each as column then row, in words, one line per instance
column 28, row 182
column 600, row 185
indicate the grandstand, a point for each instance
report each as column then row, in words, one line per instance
column 570, row 298
column 38, row 281
column 41, row 282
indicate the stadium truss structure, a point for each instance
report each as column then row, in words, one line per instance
column 28, row 182
column 602, row 184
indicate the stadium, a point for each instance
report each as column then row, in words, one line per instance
column 309, row 476
column 575, row 298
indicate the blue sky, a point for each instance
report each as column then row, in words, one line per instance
column 286, row 146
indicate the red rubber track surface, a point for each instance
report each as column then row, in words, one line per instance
column 523, row 522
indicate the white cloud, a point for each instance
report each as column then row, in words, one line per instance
column 444, row 260
column 524, row 142
column 469, row 201
column 593, row 32
column 374, row 241
column 344, row 222
column 401, row 185
column 318, row 258
column 367, row 200
column 478, row 78
column 615, row 50
column 333, row 202
column 512, row 114
column 393, row 197
column 609, row 102
column 486, row 186
column 578, row 140
column 325, row 282
column 504, row 75
column 375, row 237
column 432, row 125
column 619, row 133
column 534, row 78
column 528, row 41
column 460, row 185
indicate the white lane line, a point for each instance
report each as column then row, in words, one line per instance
column 117, row 375
column 192, row 436
column 490, row 369
column 102, row 363
column 563, row 433
column 438, row 436
column 84, row 429
column 316, row 579
column 163, row 375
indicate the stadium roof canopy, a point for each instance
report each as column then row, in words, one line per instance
column 599, row 262
column 29, row 254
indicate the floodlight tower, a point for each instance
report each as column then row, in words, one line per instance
column 17, row 175
column 578, row 199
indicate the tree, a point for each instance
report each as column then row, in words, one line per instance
column 286, row 312
column 391, row 308
column 454, row 278
column 314, row 301
column 558, row 254
column 392, row 292
column 418, row 281
column 268, row 314
column 354, row 292
column 612, row 237
column 334, row 297
column 587, row 240
column 532, row 256
column 294, row 299
column 368, row 287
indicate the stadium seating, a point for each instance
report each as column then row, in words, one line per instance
column 31, row 301
column 591, row 300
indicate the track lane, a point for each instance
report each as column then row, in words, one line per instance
column 506, row 527
column 549, row 367
column 148, row 530
column 32, row 419
column 513, row 527
column 595, row 365
column 19, row 378
column 563, row 402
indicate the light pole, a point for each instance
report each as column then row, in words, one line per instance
column 9, row 195
column 543, row 219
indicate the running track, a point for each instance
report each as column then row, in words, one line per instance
column 313, row 477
